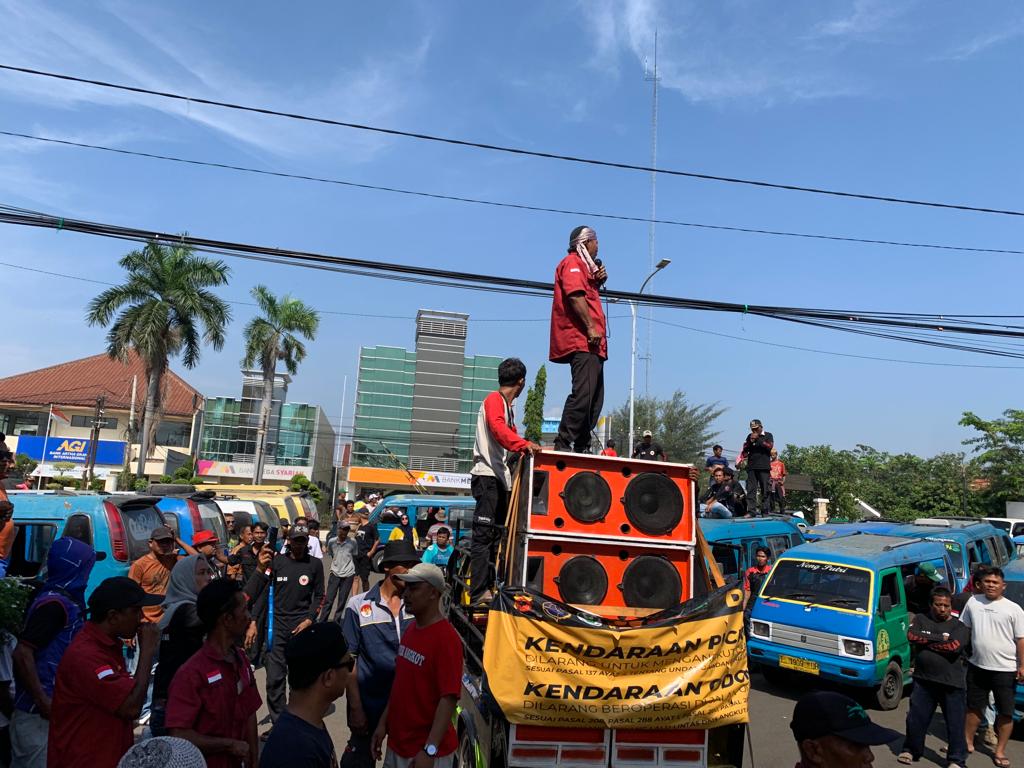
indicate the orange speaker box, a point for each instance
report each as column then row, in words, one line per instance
column 613, row 576
column 609, row 499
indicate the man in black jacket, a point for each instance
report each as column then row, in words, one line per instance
column 295, row 594
column 757, row 452
column 940, row 679
column 724, row 497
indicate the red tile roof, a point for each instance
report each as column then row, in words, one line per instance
column 80, row 382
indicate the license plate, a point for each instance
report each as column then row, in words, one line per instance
column 800, row 665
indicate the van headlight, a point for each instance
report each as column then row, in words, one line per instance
column 857, row 648
column 760, row 629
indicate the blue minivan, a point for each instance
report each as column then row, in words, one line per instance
column 733, row 540
column 970, row 542
column 189, row 513
column 456, row 513
column 837, row 610
column 117, row 527
column 831, row 530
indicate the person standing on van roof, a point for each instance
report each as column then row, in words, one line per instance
column 777, row 495
column 996, row 664
column 941, row 643
column 756, row 452
column 716, row 459
column 54, row 617
column 491, row 480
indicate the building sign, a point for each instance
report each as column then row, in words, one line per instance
column 72, row 449
column 243, row 469
column 380, row 476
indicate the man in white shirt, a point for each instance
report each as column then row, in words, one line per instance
column 996, row 661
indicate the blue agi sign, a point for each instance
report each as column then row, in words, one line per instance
column 70, row 449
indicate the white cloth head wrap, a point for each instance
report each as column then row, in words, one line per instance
column 578, row 244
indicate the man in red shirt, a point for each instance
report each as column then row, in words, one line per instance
column 213, row 700
column 95, row 700
column 609, row 449
column 777, row 496
column 578, row 338
column 491, row 480
column 428, row 678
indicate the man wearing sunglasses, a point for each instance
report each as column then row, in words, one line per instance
column 318, row 669
column 757, row 453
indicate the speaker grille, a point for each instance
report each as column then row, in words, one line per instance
column 587, row 497
column 583, row 580
column 654, row 504
column 651, row 581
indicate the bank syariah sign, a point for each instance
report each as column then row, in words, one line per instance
column 210, row 468
column 71, row 449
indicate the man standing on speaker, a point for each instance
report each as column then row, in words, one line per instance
column 757, row 452
column 578, row 338
column 491, row 482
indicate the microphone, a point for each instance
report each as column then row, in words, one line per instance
column 598, row 263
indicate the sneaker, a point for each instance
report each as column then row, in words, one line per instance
column 990, row 739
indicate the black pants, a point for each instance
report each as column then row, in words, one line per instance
column 758, row 479
column 358, row 752
column 338, row 587
column 923, row 699
column 777, row 498
column 583, row 406
column 491, row 508
column 277, row 670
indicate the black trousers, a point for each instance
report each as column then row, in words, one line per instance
column 338, row 587
column 758, row 479
column 583, row 406
column 924, row 698
column 277, row 670
column 491, row 509
column 777, row 498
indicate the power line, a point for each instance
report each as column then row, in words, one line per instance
column 505, row 204
column 509, row 150
column 942, row 327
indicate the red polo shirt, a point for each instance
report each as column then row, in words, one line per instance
column 91, row 684
column 568, row 333
column 214, row 697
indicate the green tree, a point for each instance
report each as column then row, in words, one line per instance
column 61, row 479
column 684, row 430
column 163, row 309
column 269, row 339
column 533, row 416
column 999, row 458
column 25, row 466
column 302, row 483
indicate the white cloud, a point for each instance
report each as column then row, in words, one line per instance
column 866, row 17
column 983, row 42
column 148, row 52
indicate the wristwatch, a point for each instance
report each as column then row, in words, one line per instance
column 430, row 749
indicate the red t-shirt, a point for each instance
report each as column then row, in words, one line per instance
column 91, row 685
column 568, row 333
column 429, row 666
column 214, row 697
column 609, row 452
column 778, row 470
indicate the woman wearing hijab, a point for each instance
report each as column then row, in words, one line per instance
column 404, row 531
column 181, row 631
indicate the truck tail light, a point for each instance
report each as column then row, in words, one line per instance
column 118, row 539
column 197, row 518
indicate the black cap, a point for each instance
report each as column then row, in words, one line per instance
column 313, row 651
column 298, row 532
column 824, row 713
column 161, row 532
column 399, row 551
column 118, row 593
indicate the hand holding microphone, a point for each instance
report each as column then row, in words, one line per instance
column 601, row 274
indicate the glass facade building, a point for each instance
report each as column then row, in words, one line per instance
column 418, row 409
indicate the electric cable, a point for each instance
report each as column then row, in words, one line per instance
column 506, row 149
column 514, row 206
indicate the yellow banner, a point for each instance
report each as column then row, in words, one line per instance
column 550, row 664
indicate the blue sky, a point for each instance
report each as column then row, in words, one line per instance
column 910, row 99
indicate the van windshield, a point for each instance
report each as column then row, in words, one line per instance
column 825, row 584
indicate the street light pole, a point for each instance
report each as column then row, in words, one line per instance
column 632, row 356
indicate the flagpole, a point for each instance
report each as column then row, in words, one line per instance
column 46, row 439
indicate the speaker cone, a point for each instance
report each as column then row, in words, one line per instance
column 654, row 504
column 651, row 581
column 587, row 497
column 583, row 580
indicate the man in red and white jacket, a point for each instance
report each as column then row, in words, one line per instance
column 495, row 436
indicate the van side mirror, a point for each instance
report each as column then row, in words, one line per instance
column 100, row 555
column 884, row 604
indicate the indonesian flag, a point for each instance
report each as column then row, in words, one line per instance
column 213, row 677
column 58, row 414
column 104, row 672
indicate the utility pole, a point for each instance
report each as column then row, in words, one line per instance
column 94, row 439
column 651, row 76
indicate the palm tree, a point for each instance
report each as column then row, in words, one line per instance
column 269, row 339
column 163, row 309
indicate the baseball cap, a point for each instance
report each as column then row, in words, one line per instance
column 161, row 532
column 204, row 537
column 118, row 593
column 399, row 552
column 428, row 573
column 826, row 713
column 927, row 569
column 648, row 433
column 298, row 532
